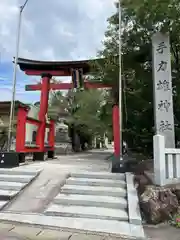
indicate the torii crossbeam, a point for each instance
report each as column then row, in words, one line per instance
column 66, row 86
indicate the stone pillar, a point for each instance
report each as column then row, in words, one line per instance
column 159, row 160
column 163, row 101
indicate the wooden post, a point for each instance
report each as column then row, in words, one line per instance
column 21, row 129
column 116, row 132
column 43, row 110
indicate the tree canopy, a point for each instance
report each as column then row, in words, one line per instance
column 140, row 19
column 84, row 110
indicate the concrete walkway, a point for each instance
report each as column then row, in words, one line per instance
column 40, row 195
column 15, row 231
column 48, row 184
column 35, row 204
column 10, row 231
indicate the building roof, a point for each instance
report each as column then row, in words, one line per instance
column 6, row 105
column 27, row 64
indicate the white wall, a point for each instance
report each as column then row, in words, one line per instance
column 33, row 113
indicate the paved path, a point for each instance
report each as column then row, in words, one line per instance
column 38, row 197
column 10, row 231
column 162, row 232
column 35, row 198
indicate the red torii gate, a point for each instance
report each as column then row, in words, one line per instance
column 46, row 70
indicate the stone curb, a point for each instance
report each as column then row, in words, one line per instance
column 133, row 201
column 31, row 232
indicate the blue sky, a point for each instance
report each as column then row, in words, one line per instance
column 51, row 30
column 6, row 73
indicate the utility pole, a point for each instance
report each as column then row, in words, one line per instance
column 11, row 117
column 120, row 82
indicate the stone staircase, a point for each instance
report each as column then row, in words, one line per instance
column 12, row 181
column 98, row 202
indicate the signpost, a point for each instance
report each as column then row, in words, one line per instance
column 163, row 100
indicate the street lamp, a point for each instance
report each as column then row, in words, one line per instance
column 120, row 81
column 14, row 76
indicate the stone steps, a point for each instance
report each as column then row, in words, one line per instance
column 93, row 190
column 2, row 204
column 95, row 200
column 16, row 186
column 16, row 178
column 96, row 182
column 90, row 200
column 12, row 181
column 6, row 195
column 98, row 175
column 87, row 212
column 17, row 171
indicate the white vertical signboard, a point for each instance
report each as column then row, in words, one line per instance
column 163, row 101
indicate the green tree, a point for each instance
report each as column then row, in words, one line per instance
column 140, row 19
column 152, row 16
column 88, row 110
column 83, row 110
column 58, row 103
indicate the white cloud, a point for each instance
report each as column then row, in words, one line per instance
column 54, row 29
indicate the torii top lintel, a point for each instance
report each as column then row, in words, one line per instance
column 39, row 68
column 55, row 68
